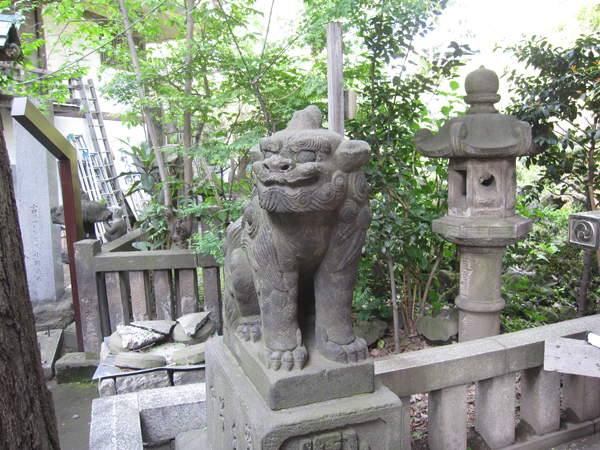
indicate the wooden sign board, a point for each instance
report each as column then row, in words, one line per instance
column 572, row 356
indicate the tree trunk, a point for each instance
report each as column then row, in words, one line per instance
column 27, row 419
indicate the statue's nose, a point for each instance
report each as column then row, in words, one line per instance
column 277, row 163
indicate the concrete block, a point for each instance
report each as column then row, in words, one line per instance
column 167, row 412
column 116, row 424
column 495, row 410
column 567, row 432
column 106, row 387
column 142, row 381
column 241, row 419
column 49, row 343
column 76, row 367
column 581, row 397
column 447, row 428
column 191, row 323
column 179, row 335
column 540, row 399
column 182, row 377
column 318, row 381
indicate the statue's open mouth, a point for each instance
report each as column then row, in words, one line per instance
column 302, row 175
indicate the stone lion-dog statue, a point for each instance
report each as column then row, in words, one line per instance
column 292, row 258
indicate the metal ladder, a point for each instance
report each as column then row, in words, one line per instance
column 96, row 165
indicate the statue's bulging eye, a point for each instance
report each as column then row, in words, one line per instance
column 306, row 156
column 268, row 154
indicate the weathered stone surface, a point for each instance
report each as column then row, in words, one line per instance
column 76, row 367
column 581, row 397
column 370, row 330
column 179, row 335
column 191, row 323
column 106, row 387
column 540, row 399
column 182, row 377
column 318, row 381
column 115, row 343
column 49, row 343
column 193, row 354
column 142, row 381
column 116, row 423
column 192, row 440
column 56, row 314
column 240, row 418
column 495, row 410
column 133, row 338
column 163, row 327
column 167, row 412
column 134, row 360
column 309, row 216
column 440, row 326
column 447, row 410
column 70, row 337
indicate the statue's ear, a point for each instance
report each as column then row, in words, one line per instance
column 351, row 155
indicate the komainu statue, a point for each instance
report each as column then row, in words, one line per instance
column 292, row 259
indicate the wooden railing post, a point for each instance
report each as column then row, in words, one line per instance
column 211, row 281
column 118, row 299
column 163, row 294
column 186, row 291
column 85, row 251
column 139, row 284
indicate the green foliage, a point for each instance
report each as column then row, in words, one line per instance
column 561, row 101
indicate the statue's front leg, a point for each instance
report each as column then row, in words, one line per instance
column 281, row 336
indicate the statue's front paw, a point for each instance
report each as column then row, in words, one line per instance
column 249, row 332
column 342, row 353
column 288, row 360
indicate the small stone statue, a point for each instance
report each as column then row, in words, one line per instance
column 93, row 212
column 292, row 259
column 117, row 228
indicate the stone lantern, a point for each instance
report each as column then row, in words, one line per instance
column 482, row 147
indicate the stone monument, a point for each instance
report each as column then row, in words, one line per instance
column 482, row 147
column 289, row 373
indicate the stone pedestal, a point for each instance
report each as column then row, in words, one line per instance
column 238, row 416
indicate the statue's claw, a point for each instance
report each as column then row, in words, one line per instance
column 295, row 359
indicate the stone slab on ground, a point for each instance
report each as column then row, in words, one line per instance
column 205, row 331
column 134, row 337
column 194, row 354
column 182, row 377
column 142, row 381
column 241, row 419
column 79, row 366
column 131, row 360
column 116, row 424
column 191, row 323
column 49, row 343
column 163, row 327
column 319, row 380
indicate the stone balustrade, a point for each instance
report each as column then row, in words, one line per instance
column 116, row 285
column 442, row 372
column 492, row 363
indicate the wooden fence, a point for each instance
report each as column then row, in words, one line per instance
column 117, row 285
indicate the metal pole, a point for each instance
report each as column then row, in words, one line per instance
column 335, row 77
